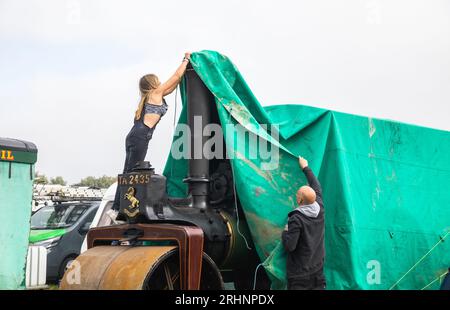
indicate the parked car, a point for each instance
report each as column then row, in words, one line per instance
column 61, row 229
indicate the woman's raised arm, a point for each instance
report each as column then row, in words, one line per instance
column 169, row 86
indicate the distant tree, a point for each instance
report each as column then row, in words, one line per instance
column 87, row 181
column 58, row 180
column 101, row 182
column 40, row 178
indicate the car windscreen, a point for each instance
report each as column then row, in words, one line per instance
column 57, row 216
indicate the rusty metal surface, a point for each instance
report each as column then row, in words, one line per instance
column 192, row 257
column 188, row 238
column 129, row 270
column 112, row 267
column 88, row 268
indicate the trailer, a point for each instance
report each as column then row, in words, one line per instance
column 17, row 159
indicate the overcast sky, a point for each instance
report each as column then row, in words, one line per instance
column 69, row 70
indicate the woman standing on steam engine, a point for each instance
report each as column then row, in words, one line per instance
column 151, row 108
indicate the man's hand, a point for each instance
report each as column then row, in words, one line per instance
column 303, row 162
column 187, row 55
column 286, row 227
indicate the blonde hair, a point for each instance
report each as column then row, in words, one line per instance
column 146, row 84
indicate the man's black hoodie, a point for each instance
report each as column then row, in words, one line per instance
column 304, row 239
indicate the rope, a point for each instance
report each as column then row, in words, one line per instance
column 438, row 278
column 175, row 112
column 420, row 260
column 174, row 124
column 234, row 179
column 254, row 278
column 235, row 196
column 232, row 171
column 237, row 211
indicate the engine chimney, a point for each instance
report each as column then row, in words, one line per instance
column 199, row 103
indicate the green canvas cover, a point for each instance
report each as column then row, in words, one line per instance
column 17, row 160
column 385, row 185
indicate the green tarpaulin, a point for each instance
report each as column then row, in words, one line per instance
column 385, row 185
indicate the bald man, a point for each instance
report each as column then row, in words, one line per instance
column 303, row 236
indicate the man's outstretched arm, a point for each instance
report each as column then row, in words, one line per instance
column 312, row 180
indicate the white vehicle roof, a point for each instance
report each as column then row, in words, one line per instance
column 107, row 197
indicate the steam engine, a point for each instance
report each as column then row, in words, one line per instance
column 196, row 242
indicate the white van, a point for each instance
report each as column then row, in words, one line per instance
column 102, row 217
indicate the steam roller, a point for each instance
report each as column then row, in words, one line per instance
column 170, row 243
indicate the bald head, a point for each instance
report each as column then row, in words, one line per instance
column 305, row 195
